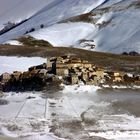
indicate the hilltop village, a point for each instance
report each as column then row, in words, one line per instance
column 68, row 70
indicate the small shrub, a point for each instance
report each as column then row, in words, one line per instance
column 42, row 26
column 32, row 30
column 30, row 41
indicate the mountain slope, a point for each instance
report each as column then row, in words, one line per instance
column 109, row 25
column 65, row 34
column 121, row 31
column 18, row 10
column 55, row 11
column 116, row 28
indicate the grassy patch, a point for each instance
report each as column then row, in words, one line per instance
column 136, row 4
column 30, row 41
column 108, row 60
column 12, row 50
column 88, row 17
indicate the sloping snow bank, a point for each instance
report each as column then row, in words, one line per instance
column 13, row 42
column 120, row 30
column 10, row 64
column 54, row 12
column 66, row 34
column 105, row 18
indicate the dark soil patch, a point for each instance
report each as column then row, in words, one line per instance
column 3, row 102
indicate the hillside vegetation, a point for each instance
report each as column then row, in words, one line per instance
column 108, row 60
column 30, row 41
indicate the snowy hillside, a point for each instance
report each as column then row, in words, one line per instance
column 54, row 11
column 116, row 28
column 119, row 27
column 18, row 10
column 112, row 26
column 65, row 34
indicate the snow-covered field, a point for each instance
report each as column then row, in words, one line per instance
column 110, row 114
column 66, row 34
column 10, row 64
column 25, row 116
column 77, row 113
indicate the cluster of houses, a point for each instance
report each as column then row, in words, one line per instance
column 65, row 69
column 73, row 70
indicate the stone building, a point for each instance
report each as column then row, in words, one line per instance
column 32, row 68
column 74, row 79
column 115, row 76
column 16, row 74
column 79, row 73
column 75, row 60
column 0, row 87
column 87, row 65
column 5, row 77
column 85, row 76
column 63, row 59
column 91, row 74
column 100, row 73
column 62, row 71
column 74, row 65
column 43, row 66
column 137, row 82
column 26, row 75
column 49, row 63
column 118, row 77
column 34, row 72
column 43, row 72
column 60, row 65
